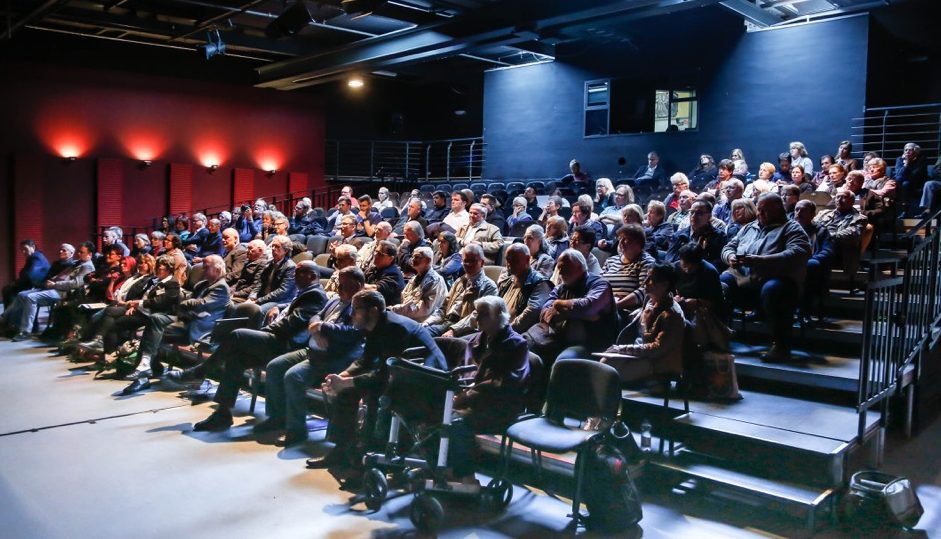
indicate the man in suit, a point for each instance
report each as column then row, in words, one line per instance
column 255, row 262
column 249, row 348
column 275, row 285
column 414, row 238
column 235, row 254
column 385, row 276
column 478, row 230
column 387, row 335
column 196, row 315
column 334, row 344
column 412, row 213
column 31, row 274
column 23, row 310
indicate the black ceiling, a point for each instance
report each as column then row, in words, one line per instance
column 400, row 38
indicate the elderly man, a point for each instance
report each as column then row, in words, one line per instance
column 255, row 262
column 413, row 214
column 367, row 253
column 22, row 311
column 845, row 225
column 425, row 292
column 385, row 276
column 557, row 235
column 249, row 348
column 911, row 171
column 235, row 255
column 733, row 190
column 627, row 271
column 334, row 344
column 680, row 218
column 581, row 310
column 659, row 232
column 193, row 243
column 275, row 284
column 523, row 289
column 459, row 217
column 680, row 183
column 213, row 245
column 345, row 256
column 479, row 231
column 302, row 222
column 387, row 335
column 414, row 238
column 724, row 171
column 31, row 275
column 703, row 232
column 769, row 256
column 494, row 214
column 458, row 307
column 870, row 204
column 581, row 216
column 583, row 241
column 878, row 182
column 195, row 316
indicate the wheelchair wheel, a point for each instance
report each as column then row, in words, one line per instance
column 426, row 512
column 376, row 488
column 498, row 494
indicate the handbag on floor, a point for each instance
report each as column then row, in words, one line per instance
column 719, row 376
column 879, row 499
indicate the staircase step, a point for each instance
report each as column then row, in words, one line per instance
column 834, row 331
column 812, row 369
column 789, row 497
column 747, row 447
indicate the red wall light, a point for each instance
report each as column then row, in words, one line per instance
column 269, row 159
column 144, row 146
column 210, row 153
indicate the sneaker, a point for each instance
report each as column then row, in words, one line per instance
column 21, row 336
column 94, row 345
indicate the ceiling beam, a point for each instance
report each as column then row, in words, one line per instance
column 36, row 14
column 205, row 24
column 504, row 23
column 751, row 12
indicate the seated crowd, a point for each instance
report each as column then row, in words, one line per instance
column 561, row 274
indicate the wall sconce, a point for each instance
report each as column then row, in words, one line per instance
column 69, row 159
column 145, row 163
column 212, row 168
column 272, row 172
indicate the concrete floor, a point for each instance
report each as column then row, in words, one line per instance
column 78, row 461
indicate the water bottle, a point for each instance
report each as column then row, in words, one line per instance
column 645, row 427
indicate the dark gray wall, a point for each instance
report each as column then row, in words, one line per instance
column 759, row 91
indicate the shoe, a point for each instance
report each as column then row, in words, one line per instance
column 290, row 438
column 185, row 376
column 216, row 422
column 137, row 385
column 336, row 457
column 94, row 345
column 21, row 336
column 268, row 425
column 136, row 375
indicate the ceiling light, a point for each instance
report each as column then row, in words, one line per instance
column 355, row 82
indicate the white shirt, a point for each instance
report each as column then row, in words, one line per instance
column 457, row 220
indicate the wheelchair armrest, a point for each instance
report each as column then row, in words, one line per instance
column 526, row 416
column 463, row 368
column 413, row 352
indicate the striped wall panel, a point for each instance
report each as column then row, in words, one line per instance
column 243, row 185
column 110, row 192
column 181, row 188
column 28, row 205
column 297, row 181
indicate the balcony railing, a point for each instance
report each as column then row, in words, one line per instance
column 438, row 160
column 886, row 130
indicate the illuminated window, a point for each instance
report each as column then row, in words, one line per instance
column 676, row 107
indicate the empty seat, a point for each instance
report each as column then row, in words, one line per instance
column 427, row 188
column 515, row 188
column 459, row 187
column 496, row 186
column 389, row 215
column 316, row 244
column 478, row 188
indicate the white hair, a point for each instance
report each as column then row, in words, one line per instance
column 285, row 243
column 424, row 251
column 494, row 306
column 215, row 261
column 345, row 250
column 573, row 255
column 679, row 178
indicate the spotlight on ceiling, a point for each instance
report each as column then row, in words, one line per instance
column 292, row 20
column 361, row 8
column 214, row 44
column 355, row 82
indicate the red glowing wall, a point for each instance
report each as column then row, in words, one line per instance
column 112, row 121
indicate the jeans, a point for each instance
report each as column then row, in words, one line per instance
column 931, row 195
column 30, row 302
column 778, row 299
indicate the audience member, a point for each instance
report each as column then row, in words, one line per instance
column 275, row 284
column 878, row 183
column 335, row 221
column 783, row 175
column 817, row 280
column 413, row 213
column 604, row 194
column 454, row 318
column 743, row 212
column 459, row 217
column 523, row 288
column 31, row 275
column 495, row 215
column 704, row 174
column 701, row 231
column 577, row 179
column 414, row 238
column 439, row 208
column 541, row 259
column 385, row 276
column 532, row 202
column 826, row 161
column 798, row 154
column 583, row 241
column 769, row 256
column 650, row 175
column 345, row 256
column 447, row 261
column 519, row 214
column 835, row 180
column 911, row 172
column 551, row 210
column 425, row 292
column 844, row 156
column 627, row 271
column 141, row 245
column 763, row 184
column 680, row 183
column 477, row 230
column 557, row 235
column 255, row 262
column 114, row 235
column 801, row 180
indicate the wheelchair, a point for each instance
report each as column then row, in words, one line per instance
column 417, row 397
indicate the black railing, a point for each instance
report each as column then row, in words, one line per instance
column 886, row 130
column 405, row 161
column 900, row 315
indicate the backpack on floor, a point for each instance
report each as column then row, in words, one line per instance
column 876, row 499
column 610, row 494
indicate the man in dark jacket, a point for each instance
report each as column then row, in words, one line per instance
column 275, row 285
column 249, row 348
column 31, row 274
column 700, row 231
column 255, row 262
column 523, row 290
column 387, row 335
column 334, row 344
column 817, row 282
column 769, row 256
column 385, row 276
